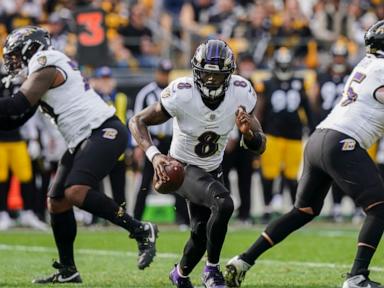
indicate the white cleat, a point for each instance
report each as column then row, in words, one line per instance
column 235, row 270
column 29, row 219
column 5, row 221
column 361, row 281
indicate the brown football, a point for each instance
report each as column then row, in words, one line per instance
column 175, row 171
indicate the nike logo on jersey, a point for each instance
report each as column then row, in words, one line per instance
column 219, row 174
column 62, row 279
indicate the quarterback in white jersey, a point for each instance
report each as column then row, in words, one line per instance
column 336, row 153
column 95, row 138
column 204, row 109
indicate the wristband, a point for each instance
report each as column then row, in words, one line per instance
column 151, row 152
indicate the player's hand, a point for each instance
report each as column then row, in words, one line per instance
column 243, row 122
column 158, row 162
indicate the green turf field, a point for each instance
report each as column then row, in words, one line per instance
column 312, row 258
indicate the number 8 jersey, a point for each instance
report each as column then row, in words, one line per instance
column 360, row 113
column 73, row 105
column 199, row 133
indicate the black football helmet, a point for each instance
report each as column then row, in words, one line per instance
column 282, row 64
column 212, row 66
column 21, row 44
column 374, row 38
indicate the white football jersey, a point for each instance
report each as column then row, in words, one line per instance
column 360, row 113
column 199, row 133
column 74, row 106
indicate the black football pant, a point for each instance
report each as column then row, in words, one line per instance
column 210, row 207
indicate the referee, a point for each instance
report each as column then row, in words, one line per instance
column 161, row 136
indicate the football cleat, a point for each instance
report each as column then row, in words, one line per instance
column 235, row 271
column 178, row 281
column 360, row 281
column 65, row 274
column 146, row 242
column 212, row 277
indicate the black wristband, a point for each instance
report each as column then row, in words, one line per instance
column 255, row 143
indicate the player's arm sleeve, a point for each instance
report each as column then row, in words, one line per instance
column 15, row 111
column 168, row 100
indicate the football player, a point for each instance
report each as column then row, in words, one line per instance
column 283, row 102
column 95, row 139
column 204, row 110
column 336, row 151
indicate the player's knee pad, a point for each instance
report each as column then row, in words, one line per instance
column 222, row 200
column 199, row 231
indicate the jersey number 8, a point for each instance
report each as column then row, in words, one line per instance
column 207, row 144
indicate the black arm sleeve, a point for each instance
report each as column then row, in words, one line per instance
column 15, row 111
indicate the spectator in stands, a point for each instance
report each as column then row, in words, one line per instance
column 330, row 21
column 293, row 31
column 21, row 13
column 137, row 38
column 161, row 137
column 104, row 84
column 257, row 31
column 58, row 28
column 225, row 15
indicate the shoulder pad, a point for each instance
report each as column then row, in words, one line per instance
column 43, row 59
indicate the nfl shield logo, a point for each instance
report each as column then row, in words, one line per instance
column 42, row 60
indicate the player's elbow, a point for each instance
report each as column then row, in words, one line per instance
column 134, row 122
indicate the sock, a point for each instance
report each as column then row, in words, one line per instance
column 28, row 195
column 267, row 190
column 363, row 258
column 259, row 247
column 64, row 230
column 369, row 238
column 277, row 231
column 103, row 206
column 179, row 272
column 211, row 264
column 3, row 195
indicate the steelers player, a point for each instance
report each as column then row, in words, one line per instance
column 283, row 110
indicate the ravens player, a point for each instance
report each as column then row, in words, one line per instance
column 95, row 139
column 336, row 151
column 282, row 98
column 204, row 110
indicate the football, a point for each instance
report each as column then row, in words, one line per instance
column 175, row 171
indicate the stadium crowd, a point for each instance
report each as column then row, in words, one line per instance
column 304, row 49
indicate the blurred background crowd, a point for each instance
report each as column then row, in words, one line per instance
column 297, row 54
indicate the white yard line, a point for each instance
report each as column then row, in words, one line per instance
column 97, row 252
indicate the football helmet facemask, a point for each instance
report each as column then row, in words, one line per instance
column 21, row 44
column 282, row 64
column 212, row 66
column 374, row 38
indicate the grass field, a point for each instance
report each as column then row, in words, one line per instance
column 315, row 257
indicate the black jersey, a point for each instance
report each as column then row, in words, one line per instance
column 330, row 92
column 11, row 135
column 284, row 104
